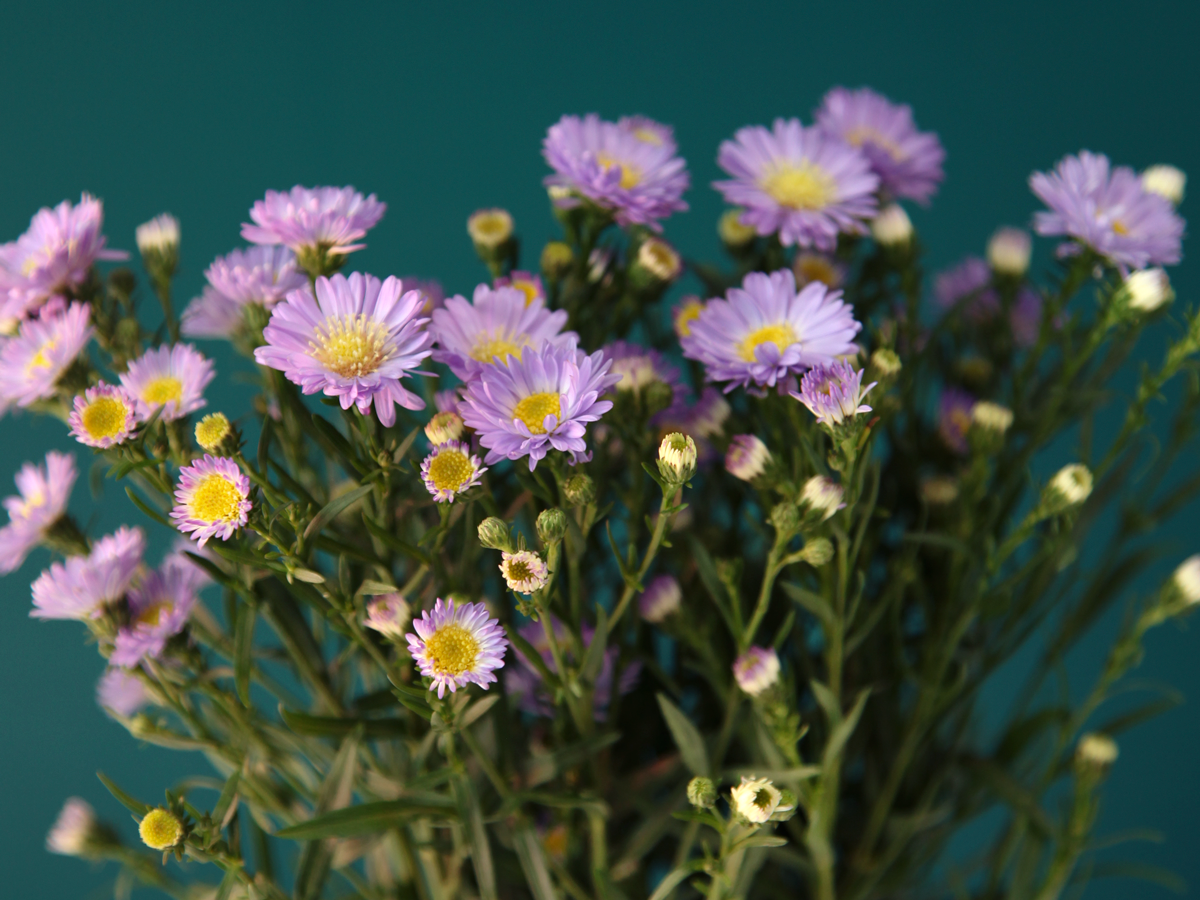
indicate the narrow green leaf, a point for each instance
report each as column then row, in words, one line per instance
column 395, row 543
column 1140, row 871
column 371, row 588
column 481, row 850
column 594, row 657
column 671, row 881
column 366, row 818
column 419, row 707
column 687, row 737
column 146, row 508
column 243, row 645
column 531, row 656
column 841, row 732
column 331, row 509
column 137, row 807
column 759, row 840
column 476, row 711
column 533, row 864
column 335, row 793
column 332, row 726
column 338, row 443
column 226, row 887
column 814, row 603
column 225, row 801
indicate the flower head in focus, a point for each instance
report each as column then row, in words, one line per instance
column 325, row 219
column 449, row 470
column 159, row 607
column 44, row 492
column 524, row 571
column 122, row 692
column 172, row 378
column 82, row 586
column 757, row 800
column 356, row 340
column 803, row 183
column 640, row 181
column 212, row 499
column 103, row 416
column 456, row 645
column 907, row 161
column 833, row 393
column 756, row 670
column 1109, row 210
column 32, row 363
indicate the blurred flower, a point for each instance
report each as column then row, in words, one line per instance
column 121, row 692
column 892, row 227
column 1166, row 181
column 457, row 645
column 212, row 499
column 799, row 182
column 1148, row 289
column 158, row 236
column 1072, row 484
column 74, row 828
column 954, row 418
column 526, row 282
column 159, row 607
column 170, row 377
column 524, row 571
column 32, row 363
column 747, row 457
column 355, row 341
column 1008, row 252
column 449, row 470
column 732, row 231
column 809, row 267
column 80, row 587
column 969, row 278
column 104, row 415
column 1096, row 750
column 939, row 490
column 388, row 614
column 833, row 393
column 1187, row 580
column 885, row 363
column 324, row 218
column 661, row 597
column 430, row 289
column 212, row 430
column 640, row 367
column 991, row 416
column 255, row 276
column 648, row 131
column 822, row 497
column 44, row 492
column 658, row 258
column 489, row 228
column 707, row 416
column 684, row 313
column 756, row 670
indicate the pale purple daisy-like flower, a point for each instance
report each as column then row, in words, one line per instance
column 639, row 180
column 212, row 499
column 256, row 275
column 103, row 416
column 662, row 596
column 211, row 315
column 32, row 362
column 801, row 182
column 159, row 607
column 172, row 378
column 527, row 283
column 747, row 457
column 970, row 283
column 524, row 681
column 954, row 418
column 907, row 161
column 324, row 218
column 44, row 492
column 537, row 403
column 429, row 288
column 74, row 828
column 639, row 367
column 1109, row 210
column 457, row 645
column 524, row 571
column 649, row 131
column 765, row 331
column 968, row 279
column 756, row 670
column 833, row 393
column 355, row 341
column 122, row 692
column 496, row 324
column 82, row 586
column 58, row 250
column 451, row 469
column 388, row 614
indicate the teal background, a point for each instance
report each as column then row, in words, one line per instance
column 198, row 108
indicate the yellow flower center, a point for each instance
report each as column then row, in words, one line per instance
column 40, row 359
column 104, row 417
column 864, row 134
column 492, row 227
column 216, row 499
column 803, row 186
column 811, row 267
column 646, row 136
column 528, row 288
column 689, row 314
column 160, row 829
column 1120, row 228
column 490, row 346
column 153, row 613
column 211, row 430
column 534, row 409
column 163, row 390
column 452, row 650
column 630, row 175
column 36, row 500
column 781, row 335
column 450, row 470
column 351, row 345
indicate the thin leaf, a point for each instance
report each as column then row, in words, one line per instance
column 227, row 883
column 687, row 737
column 395, row 543
column 476, row 710
column 366, row 818
column 671, row 881
column 1141, row 872
column 332, row 726
column 371, row 588
column 137, row 807
column 594, row 657
column 533, row 864
column 813, row 603
column 243, row 646
column 225, row 802
column 146, row 508
column 333, row 508
column 336, row 790
column 841, row 732
column 481, row 850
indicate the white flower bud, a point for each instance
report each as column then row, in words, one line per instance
column 388, row 614
column 159, row 235
column 677, row 457
column 444, row 427
column 757, row 799
column 939, row 490
column 662, row 597
column 892, row 227
column 489, row 228
column 73, row 829
column 822, row 496
column 991, row 416
column 1166, row 181
column 1008, row 252
column 1096, row 750
column 1187, row 580
column 1072, row 483
column 756, row 670
column 885, row 363
column 747, row 457
column 1148, row 289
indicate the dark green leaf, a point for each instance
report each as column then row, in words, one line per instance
column 331, row 726
column 687, row 737
column 146, row 508
column 395, row 543
column 243, row 646
column 225, row 801
column 594, row 657
column 366, row 818
column 137, row 807
column 533, row 863
column 477, row 837
column 331, row 509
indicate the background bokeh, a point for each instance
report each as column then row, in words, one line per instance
column 440, row 109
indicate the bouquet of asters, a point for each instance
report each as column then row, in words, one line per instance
column 562, row 590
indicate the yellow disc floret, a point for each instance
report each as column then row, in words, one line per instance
column 104, row 417
column 802, row 186
column 211, row 430
column 863, row 134
column 533, row 410
column 351, row 345
column 152, row 614
column 162, row 390
column 490, row 346
column 216, row 499
column 630, row 175
column 781, row 335
column 452, row 650
column 450, row 470
column 160, row 830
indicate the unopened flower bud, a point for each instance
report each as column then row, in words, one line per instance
column 701, row 792
column 158, row 242
column 494, row 534
column 821, row 498
column 212, row 430
column 1186, row 581
column 991, row 417
column 885, row 364
column 684, row 313
column 1008, row 252
column 551, row 526
column 733, row 233
column 160, row 829
column 1069, row 487
column 1096, row 751
column 657, row 262
column 756, row 670
column 1166, row 181
column 389, row 614
column 579, row 489
column 939, row 490
column 444, row 427
column 557, row 258
column 817, row 552
column 677, row 458
column 1147, row 290
column 74, row 829
column 747, row 457
column 892, row 227
column 662, row 597
column 785, row 517
column 489, row 229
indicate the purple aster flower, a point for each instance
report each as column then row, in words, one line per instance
column 44, row 492
column 611, row 165
column 1025, row 317
column 908, row 162
column 765, row 331
column 457, row 645
column 1109, row 211
column 970, row 278
column 447, row 401
column 649, row 131
column 662, row 596
column 159, row 607
column 389, row 614
column 526, row 282
column 82, row 586
column 212, row 499
column 211, row 315
column 324, row 218
column 58, row 250
column 449, row 470
column 257, row 275
column 429, row 288
column 801, row 182
column 496, row 324
column 756, row 670
column 355, row 341
column 539, row 402
column 524, row 681
column 104, row 415
column 121, row 692
column 833, row 393
column 954, row 418
column 32, row 362
column 747, row 457
column 639, row 367
column 170, row 377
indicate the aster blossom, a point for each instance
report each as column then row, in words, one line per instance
column 32, row 363
column 257, row 275
column 212, row 499
column 907, row 161
column 528, row 283
column 640, row 367
column 497, row 323
column 766, row 330
column 82, row 586
column 74, row 828
column 170, row 378
column 833, row 393
column 122, row 692
column 44, row 492
column 456, row 645
column 954, row 418
column 103, row 416
column 322, row 218
column 159, row 606
column 640, row 181
column 1109, row 210
column 356, row 340
column 803, row 183
column 756, row 670
column 537, row 403
column 451, row 469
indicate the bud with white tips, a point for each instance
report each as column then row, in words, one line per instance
column 74, row 830
column 657, row 262
column 495, row 534
column 158, row 242
column 756, row 670
column 1096, row 751
column 821, row 497
column 1186, row 581
column 892, row 227
column 677, row 458
column 747, row 457
column 1008, row 252
column 991, row 416
column 1166, row 181
column 662, row 597
column 389, row 614
column 1071, row 485
column 701, row 792
column 1148, row 289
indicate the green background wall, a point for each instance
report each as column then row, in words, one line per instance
column 198, row 108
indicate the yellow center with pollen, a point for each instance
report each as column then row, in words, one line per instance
column 519, row 571
column 491, row 345
column 211, row 430
column 528, row 288
column 351, row 345
column 160, row 829
column 781, row 335
column 534, row 409
column 450, row 470
column 630, row 175
column 689, row 314
column 803, row 186
column 1120, row 228
column 646, row 136
column 104, row 417
column 152, row 614
column 452, row 650
column 162, row 390
column 863, row 134
column 40, row 359
column 216, row 499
